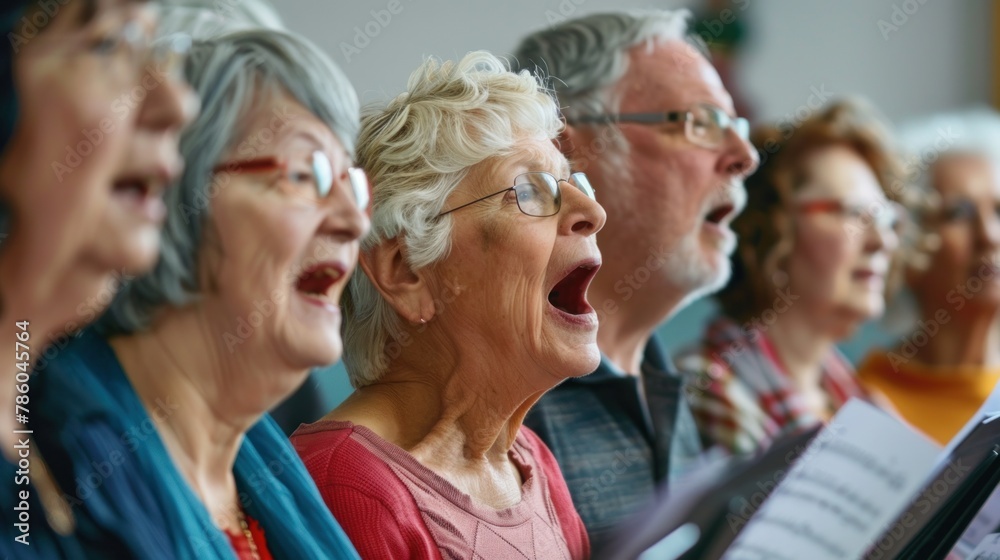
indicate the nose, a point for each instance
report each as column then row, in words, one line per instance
column 580, row 214
column 988, row 231
column 343, row 220
column 739, row 158
column 169, row 105
column 878, row 237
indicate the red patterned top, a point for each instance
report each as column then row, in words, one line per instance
column 241, row 546
column 742, row 396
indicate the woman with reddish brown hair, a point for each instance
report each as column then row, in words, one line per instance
column 816, row 243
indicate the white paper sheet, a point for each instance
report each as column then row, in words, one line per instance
column 988, row 549
column 843, row 492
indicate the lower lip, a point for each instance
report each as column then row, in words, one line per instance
column 719, row 231
column 149, row 207
column 869, row 278
column 585, row 322
column 320, row 303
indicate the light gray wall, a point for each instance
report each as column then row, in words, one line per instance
column 937, row 58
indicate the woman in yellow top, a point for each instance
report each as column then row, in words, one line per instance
column 942, row 371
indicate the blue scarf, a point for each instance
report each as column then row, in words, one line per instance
column 10, row 14
column 141, row 503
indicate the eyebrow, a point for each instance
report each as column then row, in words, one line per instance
column 92, row 7
column 535, row 164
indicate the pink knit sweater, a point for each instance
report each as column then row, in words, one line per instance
column 391, row 506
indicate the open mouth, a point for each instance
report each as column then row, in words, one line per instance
column 316, row 282
column 569, row 295
column 143, row 194
column 719, row 214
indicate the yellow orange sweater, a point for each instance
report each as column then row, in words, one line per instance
column 937, row 400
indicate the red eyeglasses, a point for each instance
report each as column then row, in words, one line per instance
column 885, row 215
column 311, row 180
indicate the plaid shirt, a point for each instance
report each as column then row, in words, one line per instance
column 741, row 395
column 617, row 438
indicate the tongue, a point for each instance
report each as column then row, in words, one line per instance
column 314, row 284
column 566, row 295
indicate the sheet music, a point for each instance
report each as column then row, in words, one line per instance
column 988, row 549
column 988, row 413
column 985, row 522
column 842, row 493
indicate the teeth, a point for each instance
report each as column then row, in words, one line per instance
column 331, row 272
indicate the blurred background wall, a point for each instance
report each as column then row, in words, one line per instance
column 910, row 57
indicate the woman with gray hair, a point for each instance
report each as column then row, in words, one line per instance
column 948, row 362
column 158, row 419
column 472, row 304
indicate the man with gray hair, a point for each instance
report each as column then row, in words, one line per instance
column 650, row 122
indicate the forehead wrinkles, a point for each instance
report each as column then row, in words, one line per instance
column 670, row 77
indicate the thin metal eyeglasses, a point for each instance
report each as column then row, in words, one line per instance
column 704, row 124
column 312, row 183
column 538, row 193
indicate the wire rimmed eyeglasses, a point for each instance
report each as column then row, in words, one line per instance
column 538, row 193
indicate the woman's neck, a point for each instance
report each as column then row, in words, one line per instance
column 969, row 339
column 461, row 423
column 801, row 346
column 465, row 406
column 49, row 301
column 201, row 398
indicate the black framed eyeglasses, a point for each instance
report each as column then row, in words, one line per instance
column 704, row 124
column 538, row 193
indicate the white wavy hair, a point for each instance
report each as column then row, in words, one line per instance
column 923, row 141
column 416, row 151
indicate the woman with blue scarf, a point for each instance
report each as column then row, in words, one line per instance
column 158, row 419
column 75, row 180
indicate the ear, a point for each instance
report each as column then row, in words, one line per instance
column 566, row 142
column 404, row 289
column 578, row 145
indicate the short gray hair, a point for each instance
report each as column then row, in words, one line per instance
column 232, row 74
column 416, row 152
column 586, row 57
column 202, row 19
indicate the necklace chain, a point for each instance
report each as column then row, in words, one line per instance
column 246, row 533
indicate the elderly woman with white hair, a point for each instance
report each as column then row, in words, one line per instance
column 472, row 305
column 157, row 422
column 948, row 363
